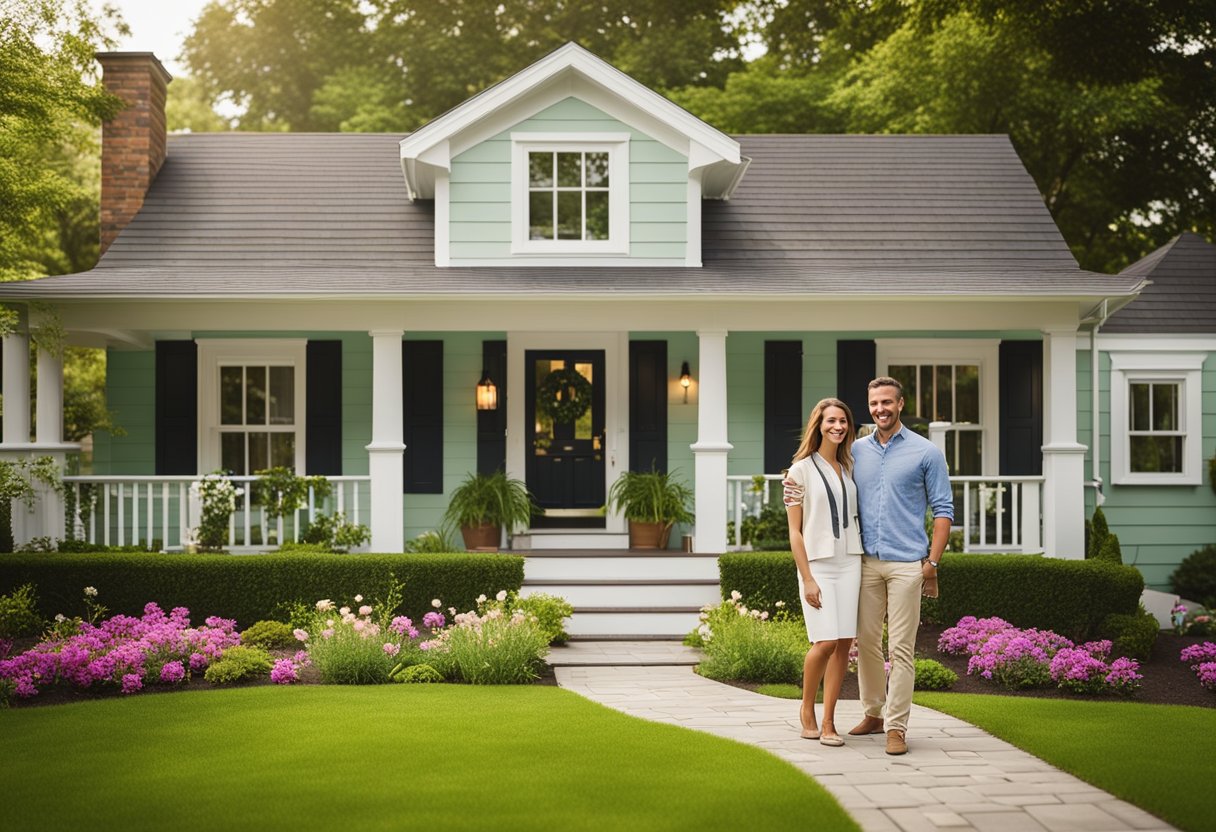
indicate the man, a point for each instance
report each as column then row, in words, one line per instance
column 899, row 475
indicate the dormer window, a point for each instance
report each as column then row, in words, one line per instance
column 570, row 194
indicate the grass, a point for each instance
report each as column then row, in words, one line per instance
column 386, row 757
column 1145, row 754
column 781, row 690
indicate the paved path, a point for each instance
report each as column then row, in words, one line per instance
column 955, row 777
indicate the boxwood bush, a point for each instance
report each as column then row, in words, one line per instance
column 250, row 588
column 1071, row 597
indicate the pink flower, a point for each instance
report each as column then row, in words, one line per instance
column 401, row 625
column 284, row 672
column 132, row 683
column 172, row 673
column 433, row 620
column 391, row 649
column 365, row 610
column 301, row 635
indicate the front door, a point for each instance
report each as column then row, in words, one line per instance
column 565, row 460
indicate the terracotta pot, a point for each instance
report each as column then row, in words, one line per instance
column 485, row 536
column 648, row 535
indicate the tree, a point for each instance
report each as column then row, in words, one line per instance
column 187, row 109
column 50, row 106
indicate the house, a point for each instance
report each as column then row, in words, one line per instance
column 1155, row 361
column 331, row 302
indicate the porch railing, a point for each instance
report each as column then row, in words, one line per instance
column 158, row 512
column 993, row 514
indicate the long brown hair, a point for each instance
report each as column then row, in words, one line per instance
column 812, row 438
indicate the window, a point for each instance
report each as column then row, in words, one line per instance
column 251, row 405
column 570, row 194
column 1154, row 397
column 949, row 381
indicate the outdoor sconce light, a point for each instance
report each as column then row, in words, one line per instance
column 685, row 380
column 487, row 393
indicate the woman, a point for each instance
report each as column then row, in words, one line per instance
column 825, row 536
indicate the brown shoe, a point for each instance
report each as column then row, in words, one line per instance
column 896, row 744
column 868, row 725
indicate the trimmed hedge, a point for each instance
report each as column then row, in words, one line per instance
column 249, row 588
column 1071, row 597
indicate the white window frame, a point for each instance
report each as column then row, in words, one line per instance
column 275, row 352
column 1184, row 369
column 983, row 353
column 616, row 145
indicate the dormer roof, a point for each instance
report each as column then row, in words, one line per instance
column 571, row 71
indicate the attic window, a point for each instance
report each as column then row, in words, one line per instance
column 570, row 194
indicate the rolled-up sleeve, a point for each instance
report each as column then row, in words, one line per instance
column 937, row 485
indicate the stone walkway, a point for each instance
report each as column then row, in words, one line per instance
column 955, row 776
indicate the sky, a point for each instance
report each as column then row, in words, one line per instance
column 158, row 26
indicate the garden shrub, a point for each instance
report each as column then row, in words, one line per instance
column 551, row 612
column 269, row 635
column 1195, row 577
column 1111, row 550
column 19, row 613
column 1132, row 635
column 489, row 649
column 933, row 675
column 746, row 645
column 238, row 663
column 417, row 674
column 250, row 589
column 1097, row 532
column 761, row 578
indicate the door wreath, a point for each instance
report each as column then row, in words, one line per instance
column 564, row 395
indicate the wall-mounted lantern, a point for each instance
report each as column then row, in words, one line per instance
column 685, row 380
column 487, row 393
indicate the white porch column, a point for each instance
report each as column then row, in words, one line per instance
column 711, row 448
column 48, row 426
column 1063, row 457
column 16, row 389
column 386, row 463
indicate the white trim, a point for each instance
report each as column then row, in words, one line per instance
column 615, row 346
column 692, row 227
column 443, row 219
column 616, row 145
column 279, row 352
column 1182, row 368
column 1157, row 343
column 569, row 260
column 982, row 352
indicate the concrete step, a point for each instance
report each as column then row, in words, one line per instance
column 658, row 622
column 623, row 593
column 619, row 566
column 567, row 539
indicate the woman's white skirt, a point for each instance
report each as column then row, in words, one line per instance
column 839, row 579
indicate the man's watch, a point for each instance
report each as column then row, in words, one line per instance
column 933, row 563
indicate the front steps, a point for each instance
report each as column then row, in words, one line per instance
column 626, row 595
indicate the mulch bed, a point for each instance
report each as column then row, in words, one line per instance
column 1167, row 681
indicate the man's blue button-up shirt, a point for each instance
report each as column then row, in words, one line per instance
column 896, row 484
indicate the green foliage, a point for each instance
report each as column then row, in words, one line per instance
column 933, row 675
column 551, row 612
column 19, row 613
column 1131, row 635
column 497, row 651
column 84, row 395
column 416, row 674
column 742, row 647
column 301, row 547
column 20, row 478
column 347, row 657
column 768, row 532
column 1111, row 551
column 331, row 533
column 762, row 578
column 437, row 541
column 651, row 497
column 280, row 491
column 1195, row 577
column 494, row 499
column 237, row 664
column 781, row 690
column 252, row 588
column 269, row 635
column 1098, row 529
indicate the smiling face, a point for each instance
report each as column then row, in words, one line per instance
column 835, row 425
column 885, row 406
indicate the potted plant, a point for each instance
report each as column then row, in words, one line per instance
column 652, row 502
column 484, row 503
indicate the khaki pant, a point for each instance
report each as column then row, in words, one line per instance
column 890, row 590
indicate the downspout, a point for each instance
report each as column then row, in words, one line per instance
column 1095, row 415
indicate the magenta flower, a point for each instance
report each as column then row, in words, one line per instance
column 284, row 672
column 433, row 620
column 132, row 682
column 172, row 673
column 401, row 625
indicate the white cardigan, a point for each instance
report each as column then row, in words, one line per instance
column 817, row 512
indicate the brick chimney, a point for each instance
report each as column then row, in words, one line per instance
column 133, row 142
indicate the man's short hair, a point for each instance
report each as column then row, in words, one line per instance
column 886, row 381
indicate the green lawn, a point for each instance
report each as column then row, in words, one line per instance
column 441, row 757
column 1155, row 756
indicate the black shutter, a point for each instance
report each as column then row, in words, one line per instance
column 492, row 424
column 648, row 405
column 422, row 415
column 323, row 402
column 783, row 418
column 176, row 407
column 1021, row 408
column 855, row 368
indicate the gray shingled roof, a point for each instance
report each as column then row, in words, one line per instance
column 1182, row 295
column 271, row 214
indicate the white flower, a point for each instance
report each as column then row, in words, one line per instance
column 735, row 595
column 90, row 591
column 764, row 616
column 779, row 604
column 358, row 599
column 344, row 611
column 481, row 599
column 60, row 618
column 436, row 603
column 451, row 610
column 502, row 595
column 755, row 613
column 365, row 610
column 325, row 605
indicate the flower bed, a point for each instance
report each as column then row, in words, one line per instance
column 1202, row 660
column 1017, row 659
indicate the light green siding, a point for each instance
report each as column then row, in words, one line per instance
column 480, row 191
column 131, row 397
column 1157, row 525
